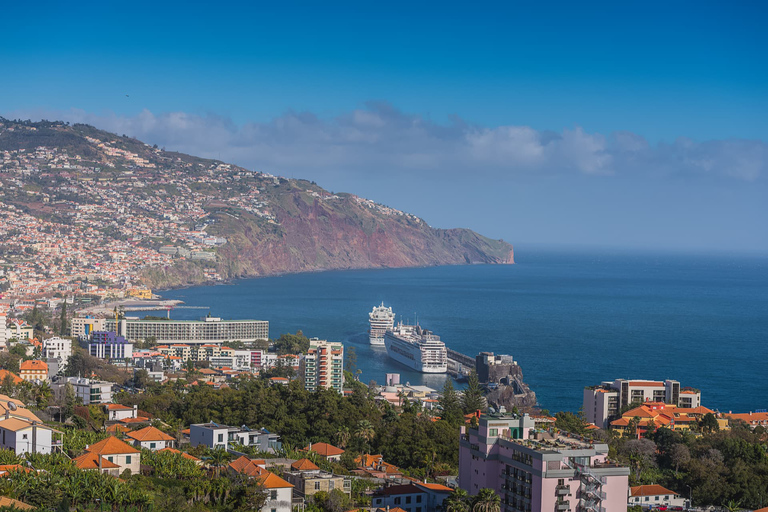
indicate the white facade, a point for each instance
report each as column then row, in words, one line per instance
column 3, row 330
column 92, row 392
column 57, row 348
column 24, row 437
column 215, row 436
column 278, row 500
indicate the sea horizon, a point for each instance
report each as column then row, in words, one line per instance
column 570, row 319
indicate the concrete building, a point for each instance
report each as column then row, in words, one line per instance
column 59, row 349
column 308, row 479
column 323, row 366
column 605, row 401
column 215, row 436
column 542, row 473
column 117, row 412
column 90, row 391
column 108, row 345
column 3, row 330
column 208, row 330
column 83, row 327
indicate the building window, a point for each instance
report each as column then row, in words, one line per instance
column 152, row 445
column 127, row 459
column 397, row 500
column 493, row 432
column 110, row 459
column 418, row 498
column 273, row 495
column 317, row 486
column 221, row 438
column 407, row 500
column 24, row 436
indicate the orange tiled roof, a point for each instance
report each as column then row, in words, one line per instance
column 246, row 466
column 650, row 490
column 111, row 446
column 324, row 449
column 269, row 480
column 183, row 454
column 113, row 429
column 16, row 379
column 119, row 407
column 436, row 487
column 34, row 366
column 149, row 434
column 304, row 465
column 91, row 461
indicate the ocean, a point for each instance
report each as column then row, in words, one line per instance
column 571, row 319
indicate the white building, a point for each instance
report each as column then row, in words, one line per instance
column 606, row 400
column 24, row 436
column 92, row 392
column 59, row 349
column 654, row 496
column 117, row 412
column 3, row 330
column 205, row 331
column 217, row 436
column 150, row 438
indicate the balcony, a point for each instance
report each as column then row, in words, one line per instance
column 563, row 490
column 562, row 505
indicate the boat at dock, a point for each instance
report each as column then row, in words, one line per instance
column 381, row 320
column 416, row 348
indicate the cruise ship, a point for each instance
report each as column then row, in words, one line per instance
column 382, row 319
column 417, row 348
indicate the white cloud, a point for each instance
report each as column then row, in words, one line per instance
column 381, row 138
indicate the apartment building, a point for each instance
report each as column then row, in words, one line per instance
column 548, row 471
column 92, row 392
column 308, row 479
column 207, row 330
column 110, row 346
column 59, row 349
column 33, row 371
column 323, row 365
column 83, row 327
column 606, row 400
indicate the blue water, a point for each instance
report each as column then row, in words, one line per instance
column 570, row 319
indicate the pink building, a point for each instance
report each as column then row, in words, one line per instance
column 537, row 471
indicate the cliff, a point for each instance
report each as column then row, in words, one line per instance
column 255, row 223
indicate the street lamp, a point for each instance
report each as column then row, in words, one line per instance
column 690, row 496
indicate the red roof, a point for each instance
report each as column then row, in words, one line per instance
column 304, row 465
column 650, row 490
column 324, row 449
column 34, row 366
column 111, row 446
column 149, row 434
column 91, row 461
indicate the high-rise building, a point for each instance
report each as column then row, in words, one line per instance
column 548, row 471
column 323, row 365
column 606, row 401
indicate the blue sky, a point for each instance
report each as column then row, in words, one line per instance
column 620, row 124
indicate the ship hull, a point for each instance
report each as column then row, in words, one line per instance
column 410, row 356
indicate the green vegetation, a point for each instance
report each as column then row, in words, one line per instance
column 408, row 438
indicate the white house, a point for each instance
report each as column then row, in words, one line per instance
column 117, row 452
column 214, row 435
column 23, row 436
column 117, row 412
column 151, row 438
column 654, row 496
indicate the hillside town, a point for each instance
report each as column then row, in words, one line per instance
column 122, row 402
column 88, row 219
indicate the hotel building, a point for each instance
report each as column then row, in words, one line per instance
column 323, row 365
column 542, row 473
column 208, row 330
column 605, row 401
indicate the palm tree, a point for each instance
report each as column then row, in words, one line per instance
column 457, row 501
column 342, row 437
column 365, row 432
column 486, row 501
column 218, row 458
